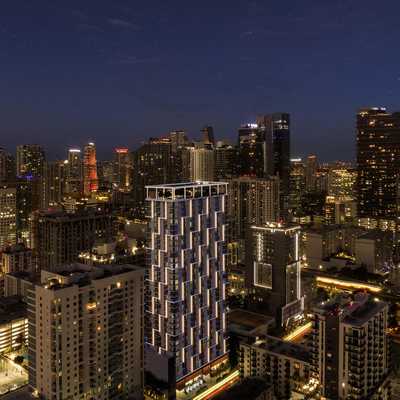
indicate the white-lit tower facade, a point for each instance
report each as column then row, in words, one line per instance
column 186, row 282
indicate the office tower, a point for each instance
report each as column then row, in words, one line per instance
column 254, row 151
column 17, row 258
column 86, row 333
column 251, row 201
column 378, row 163
column 90, row 181
column 342, row 181
column 123, row 168
column 106, row 174
column 186, row 274
column 277, row 126
column 29, row 194
column 8, row 216
column 297, row 186
column 322, row 179
column 208, row 135
column 350, row 348
column 311, row 173
column 225, row 161
column 74, row 172
column 273, row 271
column 284, row 365
column 30, row 160
column 198, row 163
column 7, row 167
column 53, row 183
column 155, row 162
column 176, row 138
column 58, row 237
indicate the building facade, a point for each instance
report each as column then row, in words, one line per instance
column 30, row 160
column 86, row 333
column 273, row 271
column 8, row 216
column 90, row 179
column 378, row 163
column 350, row 353
column 58, row 237
column 186, row 274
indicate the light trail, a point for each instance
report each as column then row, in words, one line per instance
column 297, row 332
column 218, row 386
column 348, row 284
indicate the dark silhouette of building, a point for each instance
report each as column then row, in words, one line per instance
column 277, row 130
column 252, row 151
column 58, row 237
column 208, row 135
column 225, row 161
column 156, row 162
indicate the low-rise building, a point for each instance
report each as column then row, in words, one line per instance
column 13, row 324
column 374, row 249
column 282, row 364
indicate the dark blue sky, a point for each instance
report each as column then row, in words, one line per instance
column 117, row 72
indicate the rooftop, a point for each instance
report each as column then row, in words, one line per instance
column 284, row 348
column 11, row 308
column 82, row 274
column 374, row 234
column 365, row 308
column 185, row 184
column 247, row 322
column 352, row 311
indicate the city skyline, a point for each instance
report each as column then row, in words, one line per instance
column 126, row 71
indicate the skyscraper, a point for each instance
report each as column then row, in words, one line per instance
column 86, row 333
column 251, row 201
column 273, row 271
column 90, row 181
column 29, row 195
column 311, row 173
column 208, row 135
column 74, row 172
column 297, row 185
column 156, row 162
column 198, row 163
column 225, row 161
column 7, row 167
column 53, row 183
column 30, row 160
column 277, row 126
column 186, row 274
column 342, row 181
column 123, row 168
column 253, row 158
column 8, row 216
column 378, row 163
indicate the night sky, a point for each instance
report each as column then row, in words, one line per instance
column 117, row 72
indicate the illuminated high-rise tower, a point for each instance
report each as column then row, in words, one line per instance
column 90, row 181
column 378, row 163
column 123, row 168
column 74, row 171
column 186, row 275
